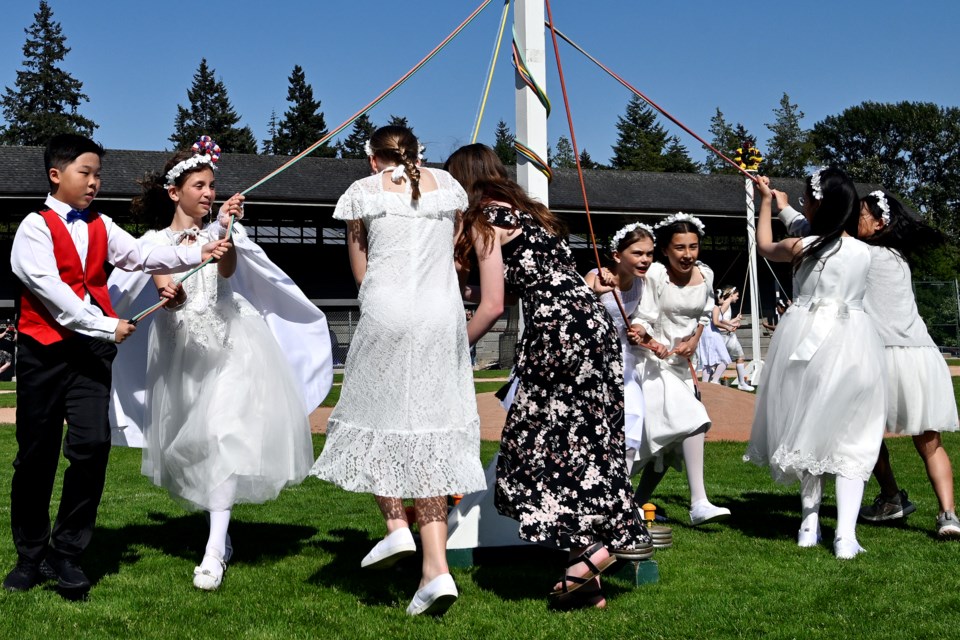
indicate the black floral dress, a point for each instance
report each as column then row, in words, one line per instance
column 561, row 471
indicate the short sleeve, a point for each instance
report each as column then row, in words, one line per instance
column 350, row 206
column 707, row 314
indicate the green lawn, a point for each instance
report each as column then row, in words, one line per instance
column 7, row 385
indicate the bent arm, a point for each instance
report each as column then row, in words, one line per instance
column 491, row 288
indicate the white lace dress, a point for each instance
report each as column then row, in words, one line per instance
column 225, row 418
column 672, row 412
column 406, row 424
column 822, row 406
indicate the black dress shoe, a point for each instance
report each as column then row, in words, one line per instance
column 25, row 576
column 71, row 581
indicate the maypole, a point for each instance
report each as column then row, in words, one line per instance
column 749, row 159
column 531, row 112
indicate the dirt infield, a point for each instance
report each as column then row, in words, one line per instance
column 730, row 410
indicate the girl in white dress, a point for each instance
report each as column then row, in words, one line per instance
column 225, row 419
column 920, row 397
column 406, row 425
column 723, row 317
column 712, row 356
column 632, row 253
column 822, row 407
column 676, row 305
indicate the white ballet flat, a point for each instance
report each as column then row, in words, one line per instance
column 808, row 537
column 388, row 551
column 207, row 579
column 435, row 597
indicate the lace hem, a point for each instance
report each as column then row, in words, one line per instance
column 787, row 466
column 421, row 464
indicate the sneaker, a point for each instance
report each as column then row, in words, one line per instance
column 72, row 582
column 704, row 513
column 435, row 597
column 884, row 509
column 948, row 527
column 847, row 548
column 388, row 551
column 24, row 576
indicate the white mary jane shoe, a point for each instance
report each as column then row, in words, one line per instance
column 808, row 537
column 435, row 597
column 704, row 513
column 847, row 548
column 388, row 551
column 209, row 579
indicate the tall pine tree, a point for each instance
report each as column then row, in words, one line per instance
column 45, row 99
column 303, row 123
column 266, row 145
column 563, row 158
column 644, row 145
column 352, row 145
column 726, row 140
column 210, row 113
column 503, row 144
column 789, row 151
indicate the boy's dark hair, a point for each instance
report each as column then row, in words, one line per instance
column 67, row 147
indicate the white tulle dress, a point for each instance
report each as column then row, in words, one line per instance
column 822, row 406
column 406, row 424
column 672, row 412
column 225, row 420
column 632, row 393
column 920, row 393
column 712, row 348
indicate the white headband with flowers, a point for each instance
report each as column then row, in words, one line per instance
column 681, row 217
column 883, row 205
column 622, row 233
column 206, row 152
column 368, row 149
column 815, row 187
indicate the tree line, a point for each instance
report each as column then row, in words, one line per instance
column 909, row 147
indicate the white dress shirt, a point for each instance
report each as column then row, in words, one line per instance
column 34, row 262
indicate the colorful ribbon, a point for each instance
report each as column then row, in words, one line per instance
column 493, row 65
column 530, row 156
column 521, row 66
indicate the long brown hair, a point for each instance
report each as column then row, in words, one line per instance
column 478, row 169
column 153, row 207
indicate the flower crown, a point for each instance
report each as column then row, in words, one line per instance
column 205, row 150
column 883, row 204
column 681, row 217
column 815, row 187
column 622, row 233
column 368, row 149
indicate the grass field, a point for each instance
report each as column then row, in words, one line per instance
column 296, row 571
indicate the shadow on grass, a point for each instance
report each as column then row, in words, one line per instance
column 347, row 548
column 185, row 537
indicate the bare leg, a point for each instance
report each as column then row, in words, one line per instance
column 939, row 470
column 883, row 472
column 432, row 518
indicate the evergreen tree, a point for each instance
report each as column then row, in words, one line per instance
column 726, row 139
column 399, row 121
column 676, row 158
column 267, row 144
column 352, row 146
column 789, row 151
column 303, row 123
column 644, row 145
column 563, row 158
column 586, row 162
column 45, row 99
column 503, row 144
column 211, row 114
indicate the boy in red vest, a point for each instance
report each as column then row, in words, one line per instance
column 67, row 342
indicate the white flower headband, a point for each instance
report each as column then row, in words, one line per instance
column 883, row 204
column 620, row 235
column 207, row 152
column 368, row 149
column 681, row 217
column 815, row 187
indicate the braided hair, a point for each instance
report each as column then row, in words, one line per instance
column 398, row 144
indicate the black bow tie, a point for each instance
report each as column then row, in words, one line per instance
column 74, row 215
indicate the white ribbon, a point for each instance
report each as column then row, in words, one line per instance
column 186, row 233
column 398, row 174
column 825, row 312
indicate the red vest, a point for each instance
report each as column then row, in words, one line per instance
column 35, row 320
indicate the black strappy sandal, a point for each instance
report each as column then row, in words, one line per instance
column 567, row 594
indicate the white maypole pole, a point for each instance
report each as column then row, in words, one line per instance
column 749, row 158
column 531, row 115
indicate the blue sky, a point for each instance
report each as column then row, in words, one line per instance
column 137, row 59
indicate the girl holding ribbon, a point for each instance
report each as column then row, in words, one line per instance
column 822, row 408
column 227, row 395
column 675, row 309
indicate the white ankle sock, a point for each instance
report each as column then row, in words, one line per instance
column 742, row 374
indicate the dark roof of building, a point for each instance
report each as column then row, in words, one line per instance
column 323, row 180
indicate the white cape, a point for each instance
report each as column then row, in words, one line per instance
column 297, row 324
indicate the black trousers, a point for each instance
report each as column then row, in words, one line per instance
column 68, row 380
